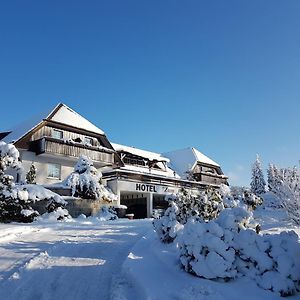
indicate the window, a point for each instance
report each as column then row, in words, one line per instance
column 54, row 171
column 88, row 141
column 208, row 170
column 57, row 134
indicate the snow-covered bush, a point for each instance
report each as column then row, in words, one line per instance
column 9, row 157
column 15, row 205
column 225, row 248
column 258, row 184
column 242, row 195
column 205, row 250
column 58, row 214
column 271, row 260
column 167, row 226
column 85, row 182
column 205, row 205
column 107, row 213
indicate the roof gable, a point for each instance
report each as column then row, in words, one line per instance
column 65, row 115
column 61, row 114
column 184, row 160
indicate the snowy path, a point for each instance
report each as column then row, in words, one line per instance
column 77, row 260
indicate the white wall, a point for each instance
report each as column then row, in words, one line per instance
column 41, row 163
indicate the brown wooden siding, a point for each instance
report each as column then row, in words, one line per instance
column 46, row 131
column 52, row 146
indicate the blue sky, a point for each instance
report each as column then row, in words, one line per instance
column 222, row 76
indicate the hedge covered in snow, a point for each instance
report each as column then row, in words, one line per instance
column 225, row 248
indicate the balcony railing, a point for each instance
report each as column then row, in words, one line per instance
column 55, row 146
column 210, row 178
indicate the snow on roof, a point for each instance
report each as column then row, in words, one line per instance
column 61, row 113
column 142, row 153
column 137, row 169
column 184, row 160
column 68, row 116
column 22, row 128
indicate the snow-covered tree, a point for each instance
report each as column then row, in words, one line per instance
column 258, row 184
column 85, row 181
column 14, row 203
column 31, row 175
column 16, row 200
column 285, row 184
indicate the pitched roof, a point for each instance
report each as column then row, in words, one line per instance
column 65, row 115
column 61, row 114
column 184, row 160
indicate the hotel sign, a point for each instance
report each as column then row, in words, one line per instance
column 141, row 187
column 145, row 187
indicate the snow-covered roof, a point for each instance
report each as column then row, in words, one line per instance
column 184, row 160
column 22, row 128
column 139, row 152
column 68, row 116
column 143, row 170
column 61, row 114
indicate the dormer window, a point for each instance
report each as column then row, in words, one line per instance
column 88, row 141
column 57, row 134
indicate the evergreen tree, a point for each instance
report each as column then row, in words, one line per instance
column 31, row 175
column 258, row 183
column 14, row 202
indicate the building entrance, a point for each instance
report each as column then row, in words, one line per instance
column 136, row 205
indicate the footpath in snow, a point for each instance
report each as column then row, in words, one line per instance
column 74, row 260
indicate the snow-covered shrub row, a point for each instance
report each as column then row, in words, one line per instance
column 85, row 182
column 224, row 248
column 184, row 205
column 167, row 226
column 237, row 196
column 206, row 205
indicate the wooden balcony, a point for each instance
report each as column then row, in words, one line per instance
column 49, row 145
column 210, row 178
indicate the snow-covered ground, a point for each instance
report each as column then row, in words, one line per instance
column 117, row 260
column 70, row 260
column 153, row 267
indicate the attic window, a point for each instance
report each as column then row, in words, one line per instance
column 57, row 134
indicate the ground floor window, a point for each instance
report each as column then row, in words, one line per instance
column 54, row 171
